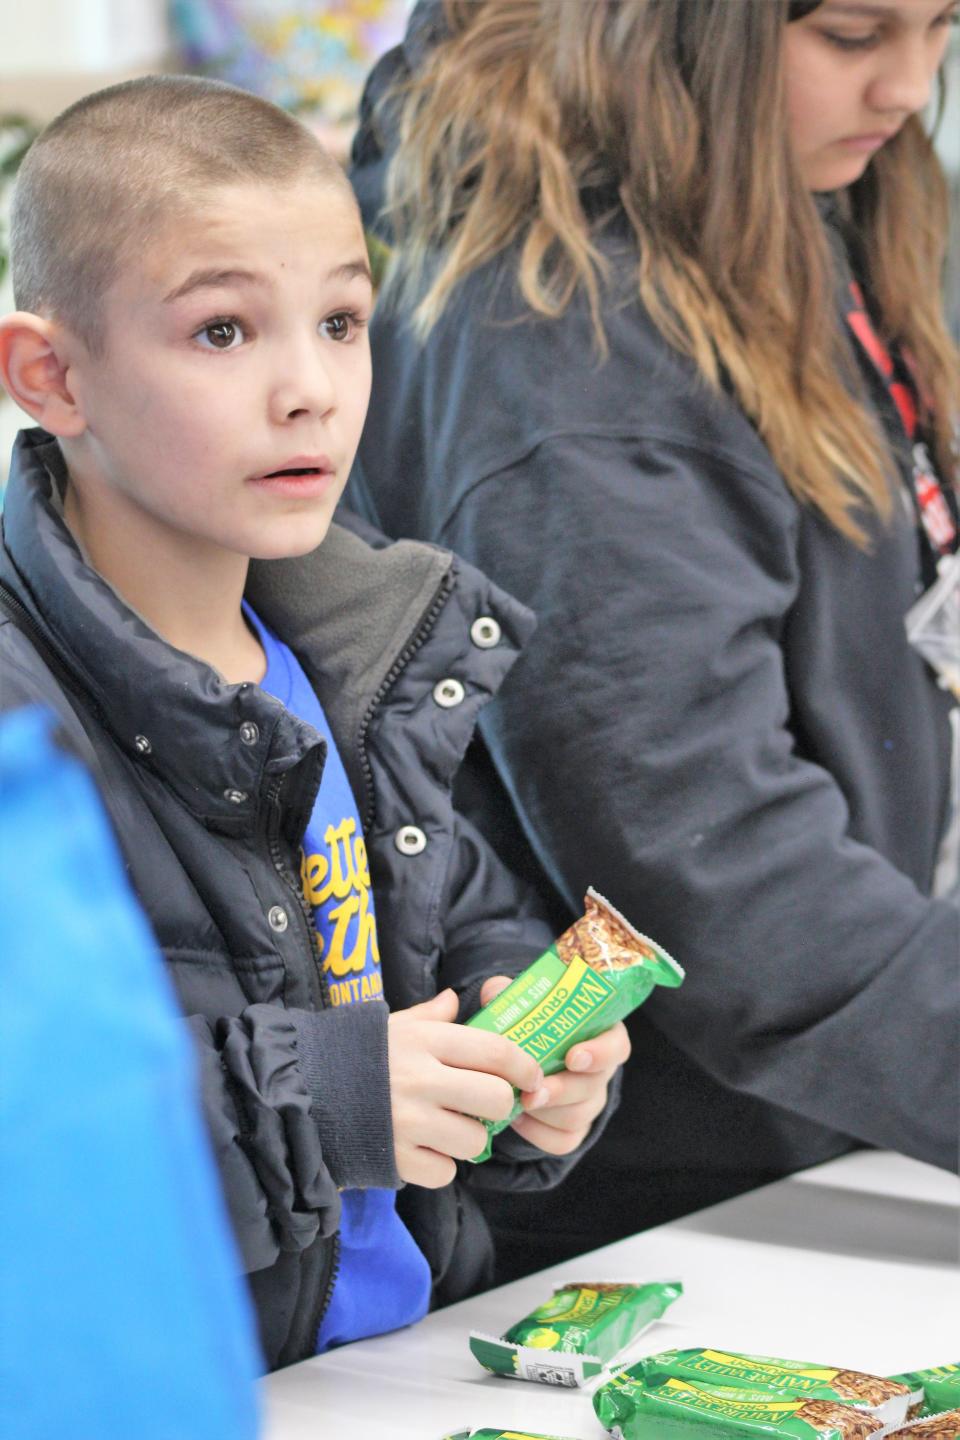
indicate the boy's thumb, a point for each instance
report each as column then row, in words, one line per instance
column 492, row 987
column 441, row 1007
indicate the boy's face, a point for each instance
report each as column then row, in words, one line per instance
column 228, row 401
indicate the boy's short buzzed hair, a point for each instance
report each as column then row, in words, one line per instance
column 126, row 160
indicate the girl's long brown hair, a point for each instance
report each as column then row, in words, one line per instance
column 678, row 108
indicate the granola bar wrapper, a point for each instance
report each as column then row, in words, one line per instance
column 571, row 1337
column 674, row 1409
column 485, row 1434
column 498, row 1434
column 945, row 1426
column 887, row 1399
column 933, row 1390
column 594, row 975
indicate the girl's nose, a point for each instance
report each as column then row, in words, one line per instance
column 905, row 84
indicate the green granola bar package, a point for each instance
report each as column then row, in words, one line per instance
column 570, row 1337
column 674, row 1409
column 887, row 1399
column 932, row 1390
column 499, row 1435
column 593, row 975
column 945, row 1426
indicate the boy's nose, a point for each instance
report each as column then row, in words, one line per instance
column 306, row 389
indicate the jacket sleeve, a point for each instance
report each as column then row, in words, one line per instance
column 494, row 927
column 644, row 735
column 296, row 1102
column 297, row 1106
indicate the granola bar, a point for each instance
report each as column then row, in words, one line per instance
column 593, row 975
column 933, row 1390
column 886, row 1398
column 932, row 1427
column 570, row 1337
column 675, row 1409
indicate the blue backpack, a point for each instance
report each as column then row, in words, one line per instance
column 122, row 1309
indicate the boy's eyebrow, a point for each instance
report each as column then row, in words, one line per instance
column 212, row 280
column 351, row 270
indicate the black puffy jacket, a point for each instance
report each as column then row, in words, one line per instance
column 209, row 786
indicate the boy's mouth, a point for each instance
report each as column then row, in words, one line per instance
column 300, row 466
column 302, row 477
column 296, row 470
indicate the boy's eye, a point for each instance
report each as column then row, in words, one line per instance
column 219, row 335
column 341, row 326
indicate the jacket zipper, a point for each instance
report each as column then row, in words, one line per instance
column 366, row 813
column 289, row 880
column 333, row 1275
column 283, row 870
column 427, row 623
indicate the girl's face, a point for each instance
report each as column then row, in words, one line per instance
column 855, row 71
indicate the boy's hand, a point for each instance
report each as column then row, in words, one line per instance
column 442, row 1075
column 567, row 1104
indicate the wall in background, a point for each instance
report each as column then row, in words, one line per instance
column 66, row 36
column 53, row 51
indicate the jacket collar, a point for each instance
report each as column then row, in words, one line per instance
column 348, row 610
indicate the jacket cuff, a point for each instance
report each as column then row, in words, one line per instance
column 343, row 1060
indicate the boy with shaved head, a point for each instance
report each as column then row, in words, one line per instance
column 274, row 722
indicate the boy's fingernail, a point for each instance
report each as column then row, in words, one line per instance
column 541, row 1098
column 580, row 1060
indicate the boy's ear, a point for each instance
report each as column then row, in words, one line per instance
column 35, row 372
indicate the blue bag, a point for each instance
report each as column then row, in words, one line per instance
column 122, row 1309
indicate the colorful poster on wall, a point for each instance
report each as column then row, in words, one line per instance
column 307, row 57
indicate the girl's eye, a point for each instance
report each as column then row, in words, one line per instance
column 850, row 42
column 342, row 326
column 220, row 335
column 867, row 42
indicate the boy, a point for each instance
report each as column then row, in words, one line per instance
column 194, row 292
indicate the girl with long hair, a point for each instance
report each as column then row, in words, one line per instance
column 662, row 349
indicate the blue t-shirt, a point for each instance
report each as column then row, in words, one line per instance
column 384, row 1280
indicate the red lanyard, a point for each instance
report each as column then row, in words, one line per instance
column 935, row 513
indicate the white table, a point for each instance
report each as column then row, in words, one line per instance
column 855, row 1262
